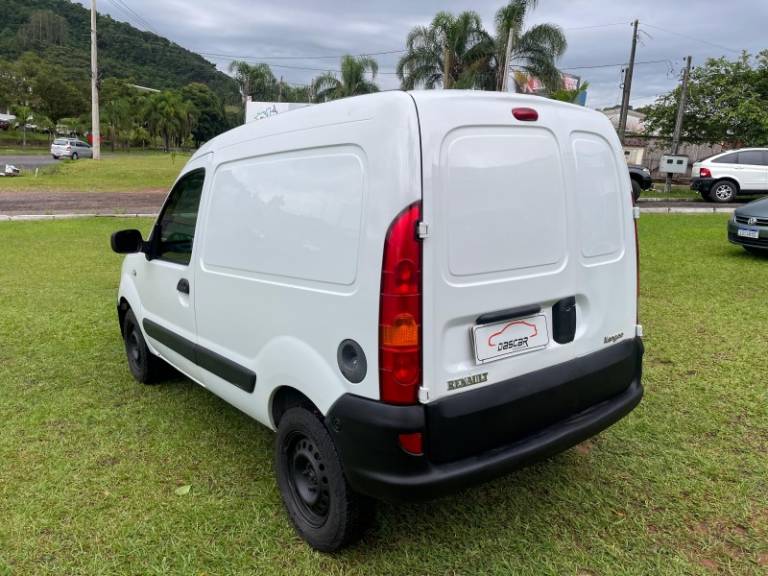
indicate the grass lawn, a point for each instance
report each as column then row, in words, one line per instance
column 19, row 151
column 113, row 173
column 90, row 460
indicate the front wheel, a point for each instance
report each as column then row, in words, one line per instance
column 323, row 508
column 145, row 366
column 635, row 190
column 723, row 191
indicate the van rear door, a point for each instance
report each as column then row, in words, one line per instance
column 529, row 257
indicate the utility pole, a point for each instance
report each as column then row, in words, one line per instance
column 507, row 58
column 95, row 132
column 280, row 91
column 679, row 119
column 628, row 84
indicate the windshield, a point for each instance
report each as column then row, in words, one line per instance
column 60, row 142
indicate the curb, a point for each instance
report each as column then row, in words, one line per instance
column 685, row 210
column 30, row 217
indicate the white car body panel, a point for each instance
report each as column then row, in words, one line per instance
column 521, row 213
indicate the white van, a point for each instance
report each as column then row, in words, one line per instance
column 417, row 291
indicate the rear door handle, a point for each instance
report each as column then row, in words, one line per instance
column 183, row 286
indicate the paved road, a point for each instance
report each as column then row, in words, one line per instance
column 29, row 162
column 17, row 203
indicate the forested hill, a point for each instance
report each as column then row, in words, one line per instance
column 59, row 32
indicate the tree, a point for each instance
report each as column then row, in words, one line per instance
column 534, row 51
column 457, row 52
column 727, row 103
column 353, row 79
column 23, row 116
column 168, row 117
column 210, row 113
column 453, row 51
column 571, row 96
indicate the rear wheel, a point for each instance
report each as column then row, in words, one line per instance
column 723, row 191
column 74, row 156
column 636, row 189
column 55, row 157
column 323, row 508
column 145, row 366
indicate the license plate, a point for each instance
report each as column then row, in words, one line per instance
column 743, row 232
column 510, row 338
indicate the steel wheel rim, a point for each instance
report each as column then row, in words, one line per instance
column 723, row 192
column 308, row 480
column 133, row 347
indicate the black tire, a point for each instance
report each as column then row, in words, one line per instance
column 762, row 252
column 75, row 156
column 636, row 189
column 723, row 191
column 55, row 157
column 145, row 366
column 323, row 508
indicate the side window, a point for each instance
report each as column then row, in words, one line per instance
column 752, row 157
column 727, row 159
column 175, row 231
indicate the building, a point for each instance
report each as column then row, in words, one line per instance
column 635, row 119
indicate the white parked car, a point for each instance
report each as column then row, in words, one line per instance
column 70, row 148
column 417, row 291
column 722, row 177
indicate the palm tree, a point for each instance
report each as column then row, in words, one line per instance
column 533, row 51
column 23, row 116
column 353, row 79
column 243, row 74
column 452, row 52
column 167, row 116
column 457, row 52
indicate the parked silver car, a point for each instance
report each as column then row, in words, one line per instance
column 70, row 148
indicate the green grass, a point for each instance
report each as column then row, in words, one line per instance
column 113, row 173
column 19, row 151
column 89, row 460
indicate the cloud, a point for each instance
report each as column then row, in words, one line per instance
column 598, row 34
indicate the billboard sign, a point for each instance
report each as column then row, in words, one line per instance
column 263, row 110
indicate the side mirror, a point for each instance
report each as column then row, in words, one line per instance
column 127, row 242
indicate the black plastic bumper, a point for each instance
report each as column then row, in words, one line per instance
column 760, row 242
column 702, row 184
column 475, row 436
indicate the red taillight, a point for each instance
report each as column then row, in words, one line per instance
column 525, row 114
column 637, row 275
column 704, row 173
column 412, row 443
column 400, row 311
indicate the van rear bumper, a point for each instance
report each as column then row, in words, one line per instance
column 476, row 436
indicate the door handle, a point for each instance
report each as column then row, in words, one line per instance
column 183, row 286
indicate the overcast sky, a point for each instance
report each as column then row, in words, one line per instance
column 598, row 33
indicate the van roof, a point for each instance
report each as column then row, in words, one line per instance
column 358, row 108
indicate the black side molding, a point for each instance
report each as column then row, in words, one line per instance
column 508, row 314
column 224, row 368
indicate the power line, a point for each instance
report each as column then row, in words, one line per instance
column 695, row 39
column 325, row 57
column 132, row 17
column 597, row 26
column 137, row 15
column 665, row 61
